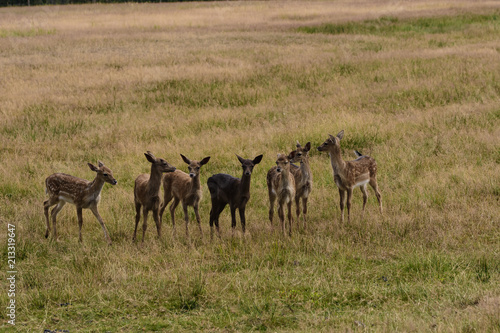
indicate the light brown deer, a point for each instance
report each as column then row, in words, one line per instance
column 185, row 188
column 63, row 188
column 350, row 174
column 147, row 193
column 303, row 179
column 281, row 186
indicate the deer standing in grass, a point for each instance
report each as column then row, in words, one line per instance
column 147, row 193
column 350, row 174
column 63, row 188
column 185, row 188
column 226, row 189
column 281, row 186
column 303, row 179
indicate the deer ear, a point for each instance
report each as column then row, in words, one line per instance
column 257, row 159
column 308, row 146
column 93, row 167
column 185, row 159
column 331, row 137
column 100, row 164
column 240, row 159
column 151, row 158
column 298, row 144
column 340, row 135
column 205, row 160
column 291, row 155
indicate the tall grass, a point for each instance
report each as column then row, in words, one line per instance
column 415, row 86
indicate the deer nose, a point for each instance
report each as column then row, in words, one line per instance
column 191, row 175
column 248, row 173
column 114, row 182
column 278, row 169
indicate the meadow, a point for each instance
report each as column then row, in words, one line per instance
column 416, row 85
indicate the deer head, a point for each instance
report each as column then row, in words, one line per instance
column 159, row 163
column 194, row 166
column 248, row 165
column 332, row 144
column 301, row 152
column 103, row 172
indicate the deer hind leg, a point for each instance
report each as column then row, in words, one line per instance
column 156, row 216
column 166, row 199
column 342, row 196
column 290, row 218
column 374, row 185
column 297, row 207
column 365, row 198
column 80, row 222
column 94, row 210
column 46, row 206
column 272, row 199
column 281, row 216
column 54, row 213
column 173, row 206
column 137, row 219
column 233, row 219
column 186, row 218
column 242, row 219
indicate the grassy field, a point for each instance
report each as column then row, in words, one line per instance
column 414, row 84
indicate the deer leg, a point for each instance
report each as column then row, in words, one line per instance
column 137, row 219
column 94, row 210
column 342, row 196
column 186, row 217
column 297, row 207
column 281, row 215
column 365, row 198
column 212, row 222
column 290, row 218
column 304, row 211
column 242, row 218
column 349, row 197
column 166, row 199
column 272, row 199
column 173, row 206
column 46, row 205
column 145, row 212
column 80, row 222
column 374, row 185
column 156, row 217
column 233, row 219
column 198, row 219
column 54, row 213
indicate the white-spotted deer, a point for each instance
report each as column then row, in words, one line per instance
column 281, row 186
column 226, row 189
column 185, row 188
column 147, row 193
column 63, row 188
column 350, row 174
column 303, row 179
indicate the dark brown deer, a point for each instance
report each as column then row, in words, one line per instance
column 281, row 186
column 225, row 189
column 350, row 174
column 147, row 193
column 303, row 179
column 63, row 188
column 185, row 188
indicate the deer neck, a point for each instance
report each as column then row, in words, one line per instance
column 195, row 184
column 305, row 169
column 245, row 184
column 338, row 164
column 95, row 187
column 285, row 180
column 154, row 182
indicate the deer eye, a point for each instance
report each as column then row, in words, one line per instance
column 105, row 174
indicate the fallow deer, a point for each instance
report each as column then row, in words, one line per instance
column 226, row 189
column 281, row 186
column 147, row 193
column 303, row 179
column 63, row 188
column 350, row 174
column 185, row 188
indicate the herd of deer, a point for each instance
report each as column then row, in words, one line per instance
column 285, row 181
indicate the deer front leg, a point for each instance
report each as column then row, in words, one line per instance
column 173, row 206
column 242, row 218
column 145, row 212
column 156, row 216
column 94, row 210
column 290, row 218
column 80, row 222
column 342, row 195
column 272, row 199
column 281, row 215
column 54, row 213
column 198, row 219
column 137, row 219
column 349, row 197
column 186, row 218
column 304, row 211
column 233, row 219
column 297, row 207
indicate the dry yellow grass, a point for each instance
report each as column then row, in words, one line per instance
column 108, row 82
